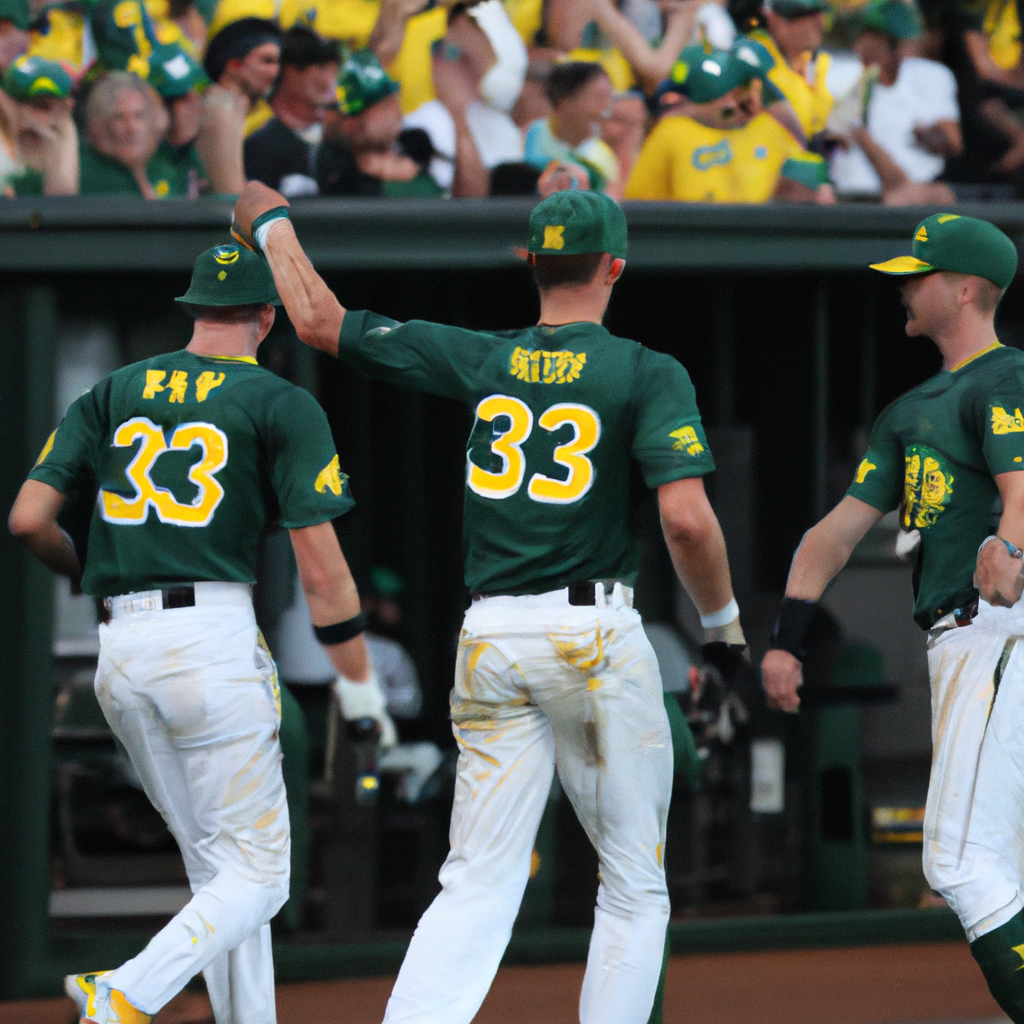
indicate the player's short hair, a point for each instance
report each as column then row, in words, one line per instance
column 224, row 314
column 566, row 79
column 555, row 271
column 301, row 48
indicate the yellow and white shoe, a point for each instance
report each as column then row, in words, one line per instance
column 106, row 1006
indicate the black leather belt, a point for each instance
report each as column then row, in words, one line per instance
column 583, row 593
column 179, row 597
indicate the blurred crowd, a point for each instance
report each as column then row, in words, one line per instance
column 886, row 101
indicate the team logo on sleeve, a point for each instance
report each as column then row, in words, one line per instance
column 927, row 488
column 686, row 440
column 47, row 448
column 330, row 478
column 863, row 469
column 1006, row 423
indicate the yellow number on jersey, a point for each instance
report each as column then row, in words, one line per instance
column 506, row 446
column 214, row 445
column 587, row 425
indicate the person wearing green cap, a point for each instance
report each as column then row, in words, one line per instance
column 944, row 454
column 39, row 149
column 899, row 121
column 189, row 454
column 553, row 665
column 715, row 143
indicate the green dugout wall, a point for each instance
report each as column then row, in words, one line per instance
column 771, row 308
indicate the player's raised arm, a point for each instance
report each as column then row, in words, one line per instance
column 260, row 221
column 824, row 550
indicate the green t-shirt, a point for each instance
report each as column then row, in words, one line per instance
column 934, row 454
column 568, row 420
column 170, row 171
column 191, row 456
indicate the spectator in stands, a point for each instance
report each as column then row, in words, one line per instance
column 481, row 61
column 14, row 37
column 362, row 153
column 245, row 58
column 581, row 97
column 623, row 132
column 682, row 22
column 125, row 122
column 282, row 154
column 792, row 32
column 900, row 122
column 38, row 140
column 716, row 145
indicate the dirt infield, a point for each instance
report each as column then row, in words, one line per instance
column 876, row 985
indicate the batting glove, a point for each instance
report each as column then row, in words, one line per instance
column 366, row 700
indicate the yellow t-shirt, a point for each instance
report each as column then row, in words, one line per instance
column 63, row 39
column 350, row 21
column 527, row 16
column 257, row 117
column 1002, row 26
column 228, row 11
column 808, row 94
column 412, row 68
column 689, row 162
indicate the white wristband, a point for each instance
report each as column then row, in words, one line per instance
column 260, row 235
column 722, row 617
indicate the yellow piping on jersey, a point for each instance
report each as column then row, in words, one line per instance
column 977, row 355
column 232, row 359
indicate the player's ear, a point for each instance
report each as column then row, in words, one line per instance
column 615, row 269
column 267, row 316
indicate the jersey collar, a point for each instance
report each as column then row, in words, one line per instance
column 234, row 359
column 977, row 355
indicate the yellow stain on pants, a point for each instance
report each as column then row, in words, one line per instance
column 580, row 651
column 487, row 757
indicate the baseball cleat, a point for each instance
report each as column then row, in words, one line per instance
column 112, row 1005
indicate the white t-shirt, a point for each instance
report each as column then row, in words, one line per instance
column 924, row 92
column 498, row 140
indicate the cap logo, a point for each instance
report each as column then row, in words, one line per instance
column 679, row 71
column 43, row 85
column 225, row 255
column 948, row 217
column 922, row 234
column 222, row 276
column 747, row 55
column 178, row 67
column 712, row 67
column 554, row 236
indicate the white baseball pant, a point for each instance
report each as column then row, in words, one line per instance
column 541, row 684
column 192, row 694
column 974, row 821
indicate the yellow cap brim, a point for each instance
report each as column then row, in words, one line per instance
column 903, row 265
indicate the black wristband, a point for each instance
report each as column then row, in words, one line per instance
column 790, row 631
column 341, row 631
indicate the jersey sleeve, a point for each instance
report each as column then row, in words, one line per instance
column 878, row 481
column 69, row 450
column 669, row 442
column 303, row 463
column 436, row 358
column 1003, row 444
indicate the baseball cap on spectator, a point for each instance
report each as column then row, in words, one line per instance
column 790, row 9
column 16, row 12
column 572, row 223
column 362, row 82
column 758, row 63
column 894, row 18
column 173, row 72
column 704, row 74
column 963, row 245
column 29, row 78
column 236, row 41
column 116, row 25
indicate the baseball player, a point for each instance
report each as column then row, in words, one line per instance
column 553, row 668
column 190, row 454
column 944, row 453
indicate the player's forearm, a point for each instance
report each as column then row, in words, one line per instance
column 650, row 65
column 472, row 179
column 312, row 307
column 33, row 520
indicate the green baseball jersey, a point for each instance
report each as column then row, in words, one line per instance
column 567, row 421
column 934, row 454
column 190, row 456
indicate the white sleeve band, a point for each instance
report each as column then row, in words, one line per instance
column 722, row 617
column 263, row 230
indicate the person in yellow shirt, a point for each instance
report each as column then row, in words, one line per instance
column 715, row 144
column 792, row 34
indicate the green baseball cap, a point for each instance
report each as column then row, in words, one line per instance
column 173, row 72
column 231, row 275
column 17, row 12
column 705, row 74
column 964, row 245
column 362, row 82
column 896, row 18
column 756, row 62
column 30, row 78
column 790, row 9
column 573, row 222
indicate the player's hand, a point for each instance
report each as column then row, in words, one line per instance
column 782, row 675
column 366, row 700
column 254, row 200
column 998, row 575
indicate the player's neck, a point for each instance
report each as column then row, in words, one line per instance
column 964, row 341
column 573, row 305
column 223, row 340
